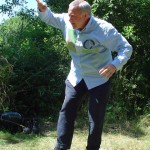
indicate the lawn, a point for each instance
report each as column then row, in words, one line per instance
column 116, row 136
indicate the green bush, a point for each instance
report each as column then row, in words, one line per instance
column 36, row 61
column 130, row 91
column 5, row 75
column 38, row 56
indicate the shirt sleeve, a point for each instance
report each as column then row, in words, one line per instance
column 116, row 42
column 55, row 20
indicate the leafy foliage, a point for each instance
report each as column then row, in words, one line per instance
column 34, row 60
column 37, row 54
column 5, row 74
column 8, row 6
column 131, row 87
column 58, row 6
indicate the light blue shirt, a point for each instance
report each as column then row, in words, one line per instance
column 90, row 49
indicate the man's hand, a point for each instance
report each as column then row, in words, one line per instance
column 107, row 71
column 41, row 6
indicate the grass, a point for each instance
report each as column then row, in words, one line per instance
column 116, row 136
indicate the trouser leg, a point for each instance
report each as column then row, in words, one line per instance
column 68, row 113
column 97, row 105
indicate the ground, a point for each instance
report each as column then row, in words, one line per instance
column 116, row 136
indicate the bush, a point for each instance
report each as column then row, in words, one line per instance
column 37, row 54
column 130, row 93
column 37, row 61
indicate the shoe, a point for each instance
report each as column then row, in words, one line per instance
column 27, row 128
column 35, row 126
column 60, row 149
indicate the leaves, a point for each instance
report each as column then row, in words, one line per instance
column 34, row 60
column 9, row 5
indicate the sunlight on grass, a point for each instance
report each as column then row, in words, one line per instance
column 115, row 137
column 121, row 142
column 46, row 142
column 21, row 141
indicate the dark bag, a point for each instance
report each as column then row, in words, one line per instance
column 11, row 121
column 14, row 122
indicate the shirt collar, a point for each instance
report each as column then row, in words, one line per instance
column 88, row 25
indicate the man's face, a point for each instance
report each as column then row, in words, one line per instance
column 77, row 18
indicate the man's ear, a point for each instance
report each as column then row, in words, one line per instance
column 86, row 15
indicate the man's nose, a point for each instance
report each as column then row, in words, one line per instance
column 70, row 19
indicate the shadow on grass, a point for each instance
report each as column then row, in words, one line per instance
column 135, row 128
column 48, row 129
column 8, row 138
column 126, row 128
column 132, row 129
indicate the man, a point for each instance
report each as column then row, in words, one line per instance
column 90, row 42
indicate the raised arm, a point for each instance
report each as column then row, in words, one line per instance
column 41, row 6
column 49, row 17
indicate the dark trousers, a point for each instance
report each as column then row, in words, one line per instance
column 97, row 105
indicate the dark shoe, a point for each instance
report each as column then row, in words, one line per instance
column 35, row 127
column 60, row 149
column 28, row 127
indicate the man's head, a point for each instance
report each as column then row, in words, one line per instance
column 79, row 13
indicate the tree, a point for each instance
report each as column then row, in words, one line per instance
column 34, row 59
column 37, row 53
column 131, row 19
column 8, row 6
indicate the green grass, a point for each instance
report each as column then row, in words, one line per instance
column 116, row 136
